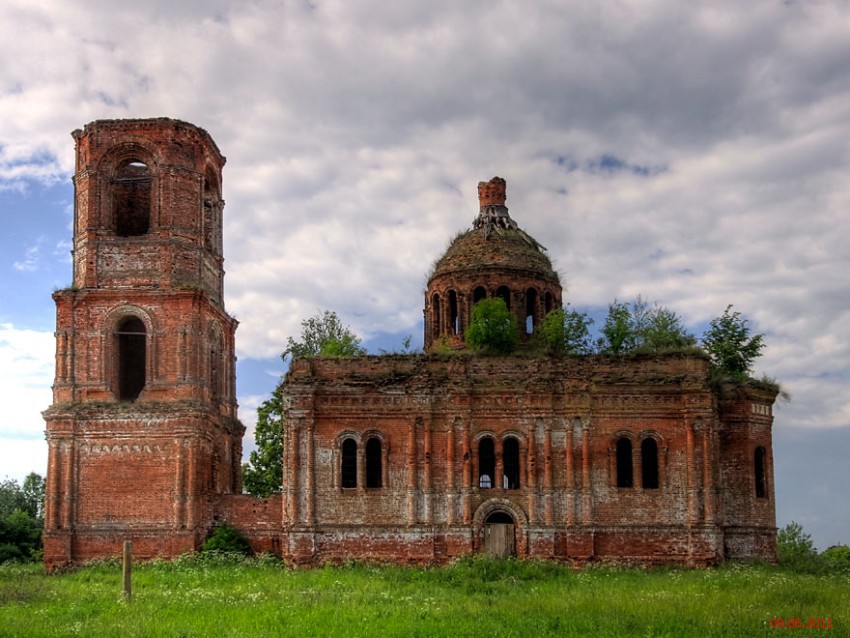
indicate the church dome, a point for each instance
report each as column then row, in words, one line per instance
column 495, row 258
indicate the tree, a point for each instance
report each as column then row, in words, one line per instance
column 263, row 474
column 730, row 347
column 618, row 333
column 794, row 548
column 639, row 327
column 324, row 336
column 21, row 519
column 565, row 331
column 836, row 559
column 664, row 331
column 321, row 336
column 33, row 495
column 492, row 329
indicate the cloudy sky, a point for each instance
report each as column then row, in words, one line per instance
column 695, row 153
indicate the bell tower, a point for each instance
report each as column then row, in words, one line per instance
column 142, row 433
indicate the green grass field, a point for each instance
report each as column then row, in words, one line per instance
column 476, row 597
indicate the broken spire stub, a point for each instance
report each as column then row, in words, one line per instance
column 492, row 212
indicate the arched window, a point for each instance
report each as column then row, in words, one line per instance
column 486, row 462
column 548, row 302
column 453, row 313
column 649, row 464
column 131, row 341
column 624, row 462
column 510, row 458
column 211, row 209
column 373, row 462
column 530, row 310
column 478, row 294
column 760, row 461
column 131, row 198
column 505, row 293
column 349, row 463
column 435, row 315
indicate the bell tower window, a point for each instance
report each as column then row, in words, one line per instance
column 131, row 338
column 131, row 197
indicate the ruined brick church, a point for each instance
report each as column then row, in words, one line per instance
column 403, row 458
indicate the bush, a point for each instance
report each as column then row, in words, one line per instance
column 836, row 559
column 795, row 550
column 226, row 538
column 493, row 328
column 564, row 332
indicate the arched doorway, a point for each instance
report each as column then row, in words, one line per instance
column 500, row 535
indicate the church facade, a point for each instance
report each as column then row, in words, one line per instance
column 400, row 458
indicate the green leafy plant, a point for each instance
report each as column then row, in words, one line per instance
column 263, row 474
column 730, row 346
column 21, row 518
column 227, row 539
column 492, row 329
column 564, row 332
column 836, row 559
column 795, row 549
column 324, row 336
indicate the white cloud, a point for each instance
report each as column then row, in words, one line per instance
column 26, row 375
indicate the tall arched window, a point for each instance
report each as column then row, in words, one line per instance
column 649, row 463
column 373, row 462
column 486, row 462
column 624, row 462
column 478, row 294
column 435, row 315
column 131, row 198
column 510, row 458
column 211, row 210
column 530, row 310
column 548, row 302
column 453, row 313
column 131, row 341
column 348, row 471
column 760, row 461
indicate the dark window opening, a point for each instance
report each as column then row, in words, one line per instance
column 510, row 457
column 486, row 463
column 478, row 294
column 131, row 196
column 624, row 462
column 761, row 474
column 453, row 313
column 373, row 463
column 435, row 315
column 530, row 310
column 499, row 518
column 349, row 463
column 548, row 302
column 505, row 293
column 132, row 351
column 649, row 464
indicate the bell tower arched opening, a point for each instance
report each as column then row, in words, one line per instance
column 131, row 198
column 131, row 338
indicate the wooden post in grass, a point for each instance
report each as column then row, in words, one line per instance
column 127, row 570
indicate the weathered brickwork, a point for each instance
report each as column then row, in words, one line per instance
column 409, row 459
column 142, row 431
column 434, row 495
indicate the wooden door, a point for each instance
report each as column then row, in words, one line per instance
column 500, row 540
